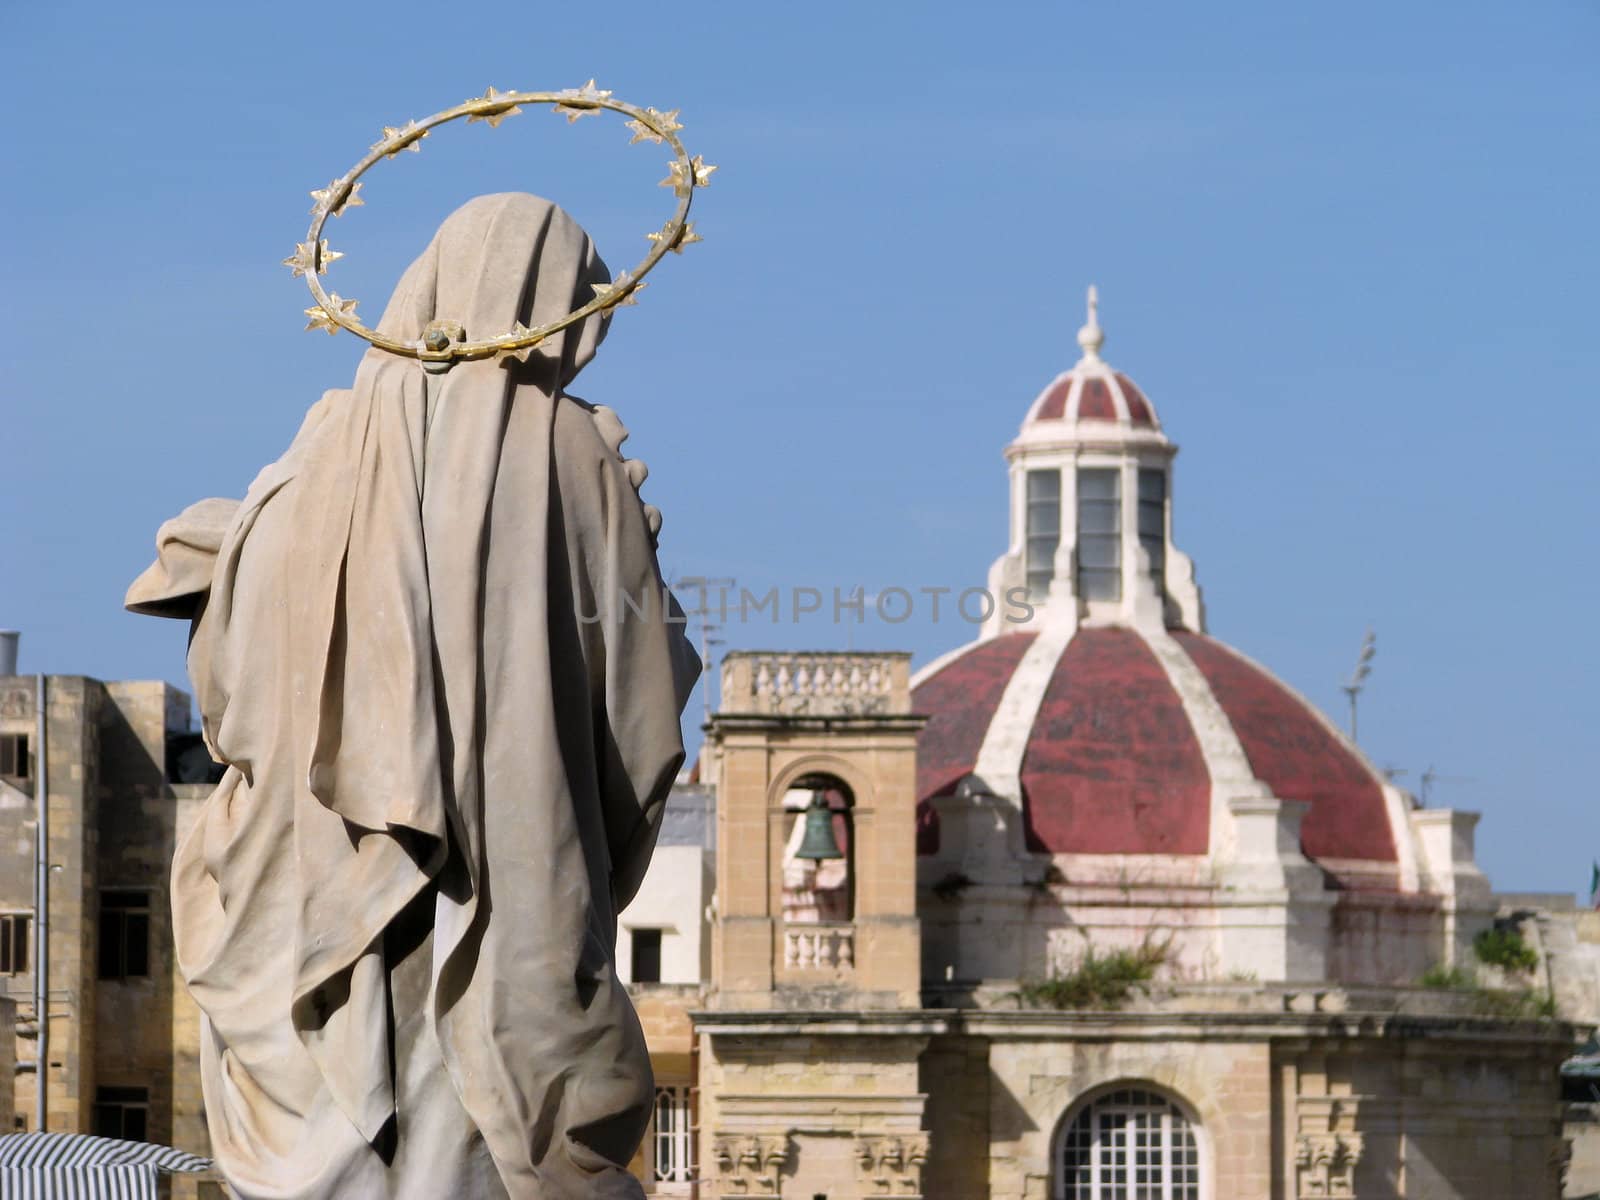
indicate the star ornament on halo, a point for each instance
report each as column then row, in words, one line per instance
column 350, row 199
column 493, row 108
column 396, row 139
column 620, row 292
column 679, row 178
column 581, row 102
column 664, row 122
column 685, row 237
column 520, row 353
column 321, row 318
column 308, row 258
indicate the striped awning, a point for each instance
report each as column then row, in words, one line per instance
column 72, row 1166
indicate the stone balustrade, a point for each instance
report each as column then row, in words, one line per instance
column 816, row 683
column 826, row 947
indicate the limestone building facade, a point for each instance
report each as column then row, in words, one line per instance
column 123, row 1035
column 1097, row 787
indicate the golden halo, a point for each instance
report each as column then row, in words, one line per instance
column 441, row 343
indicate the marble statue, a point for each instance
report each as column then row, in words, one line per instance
column 447, row 748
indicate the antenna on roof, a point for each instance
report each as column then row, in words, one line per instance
column 1430, row 777
column 708, row 627
column 1358, row 677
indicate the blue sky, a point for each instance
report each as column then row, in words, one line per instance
column 1348, row 250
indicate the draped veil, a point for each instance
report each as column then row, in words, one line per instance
column 448, row 747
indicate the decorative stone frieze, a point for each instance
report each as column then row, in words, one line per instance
column 750, row 1164
column 1325, row 1165
column 891, row 1166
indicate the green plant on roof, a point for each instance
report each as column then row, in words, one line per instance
column 1442, row 978
column 1506, row 1004
column 1098, row 980
column 1505, row 948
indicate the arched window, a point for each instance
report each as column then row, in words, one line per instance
column 1128, row 1144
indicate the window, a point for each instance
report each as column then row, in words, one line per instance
column 1100, row 533
column 1043, row 530
column 122, row 1112
column 647, row 956
column 1129, row 1144
column 1153, row 522
column 124, row 934
column 16, row 930
column 14, row 755
column 672, row 1144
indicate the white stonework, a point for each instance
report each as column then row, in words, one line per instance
column 999, row 765
column 1229, row 769
column 673, row 899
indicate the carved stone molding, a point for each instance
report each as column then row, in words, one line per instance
column 1325, row 1165
column 750, row 1164
column 891, row 1165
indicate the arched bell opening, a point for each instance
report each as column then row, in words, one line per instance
column 819, row 851
column 819, row 874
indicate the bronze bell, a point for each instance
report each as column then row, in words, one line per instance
column 819, row 843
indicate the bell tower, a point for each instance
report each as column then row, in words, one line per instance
column 814, row 1027
column 815, row 765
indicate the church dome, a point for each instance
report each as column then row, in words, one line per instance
column 1103, row 713
column 1119, row 735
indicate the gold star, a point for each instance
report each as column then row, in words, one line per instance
column 396, row 140
column 300, row 261
column 686, row 236
column 581, row 102
column 676, row 178
column 304, row 259
column 623, row 288
column 350, row 199
column 492, row 112
column 664, row 122
column 519, row 330
column 321, row 318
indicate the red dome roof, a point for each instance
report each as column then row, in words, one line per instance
column 1112, row 766
column 1294, row 752
column 1113, row 763
column 1091, row 392
column 959, row 702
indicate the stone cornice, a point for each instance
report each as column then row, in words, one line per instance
column 916, row 1022
column 1190, row 1026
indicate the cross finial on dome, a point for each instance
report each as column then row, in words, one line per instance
column 1091, row 337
